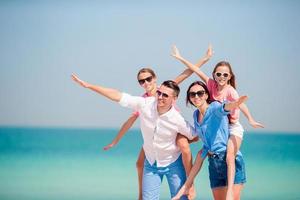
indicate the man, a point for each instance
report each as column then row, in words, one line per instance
column 160, row 123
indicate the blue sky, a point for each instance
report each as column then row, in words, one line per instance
column 107, row 42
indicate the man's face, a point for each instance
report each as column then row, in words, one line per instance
column 165, row 97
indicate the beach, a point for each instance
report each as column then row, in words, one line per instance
column 70, row 163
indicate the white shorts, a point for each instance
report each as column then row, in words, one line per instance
column 236, row 129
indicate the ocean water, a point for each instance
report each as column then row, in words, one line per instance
column 70, row 164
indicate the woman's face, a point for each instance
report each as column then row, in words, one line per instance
column 197, row 95
column 147, row 81
column 222, row 75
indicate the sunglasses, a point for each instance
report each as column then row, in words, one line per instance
column 148, row 79
column 164, row 95
column 199, row 93
column 219, row 74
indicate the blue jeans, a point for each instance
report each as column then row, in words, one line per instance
column 218, row 170
column 153, row 176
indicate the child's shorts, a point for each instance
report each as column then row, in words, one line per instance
column 236, row 129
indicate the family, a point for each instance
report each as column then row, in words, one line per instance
column 167, row 135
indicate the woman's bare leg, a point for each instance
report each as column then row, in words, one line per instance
column 219, row 193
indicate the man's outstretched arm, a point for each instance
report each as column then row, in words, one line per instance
column 109, row 93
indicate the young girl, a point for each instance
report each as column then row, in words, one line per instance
column 211, row 124
column 222, row 88
column 147, row 79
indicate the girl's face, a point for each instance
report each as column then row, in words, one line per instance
column 222, row 75
column 198, row 96
column 147, row 81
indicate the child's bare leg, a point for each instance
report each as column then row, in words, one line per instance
column 233, row 146
column 140, row 169
column 183, row 144
column 237, row 189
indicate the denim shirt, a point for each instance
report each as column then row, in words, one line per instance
column 214, row 128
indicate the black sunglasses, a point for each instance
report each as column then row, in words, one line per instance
column 219, row 74
column 199, row 93
column 148, row 79
column 164, row 95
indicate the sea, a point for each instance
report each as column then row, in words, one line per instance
column 70, row 164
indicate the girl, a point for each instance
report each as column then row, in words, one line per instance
column 211, row 124
column 222, row 88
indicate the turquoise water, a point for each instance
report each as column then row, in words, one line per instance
column 65, row 164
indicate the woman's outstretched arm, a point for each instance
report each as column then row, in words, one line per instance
column 190, row 180
column 235, row 104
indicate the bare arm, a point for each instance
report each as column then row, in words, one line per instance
column 209, row 54
column 109, row 93
column 235, row 104
column 248, row 115
column 192, row 68
column 125, row 127
column 190, row 180
column 184, row 75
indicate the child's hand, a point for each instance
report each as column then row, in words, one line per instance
column 175, row 52
column 209, row 52
column 255, row 124
column 107, row 147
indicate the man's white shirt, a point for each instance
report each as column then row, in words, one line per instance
column 159, row 131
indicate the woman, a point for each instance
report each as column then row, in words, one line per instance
column 211, row 124
column 222, row 87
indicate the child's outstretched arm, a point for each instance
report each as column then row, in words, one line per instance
column 209, row 54
column 194, row 68
column 186, row 73
column 125, row 127
column 243, row 107
column 190, row 180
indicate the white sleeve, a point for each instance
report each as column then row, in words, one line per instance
column 186, row 129
column 133, row 102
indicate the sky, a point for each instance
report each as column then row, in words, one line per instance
column 106, row 42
